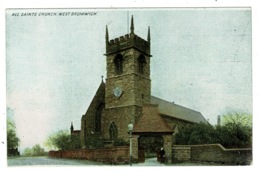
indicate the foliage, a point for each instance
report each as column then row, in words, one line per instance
column 59, row 140
column 235, row 136
column 242, row 119
column 75, row 142
column 120, row 142
column 197, row 134
column 12, row 139
column 151, row 143
column 63, row 140
column 236, row 130
column 36, row 150
column 27, row 152
column 235, row 133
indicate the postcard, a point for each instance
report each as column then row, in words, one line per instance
column 129, row 86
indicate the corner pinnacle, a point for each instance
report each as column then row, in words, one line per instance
column 132, row 25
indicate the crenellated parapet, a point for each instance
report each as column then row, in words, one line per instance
column 128, row 41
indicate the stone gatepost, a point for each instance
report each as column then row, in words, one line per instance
column 135, row 147
column 167, row 145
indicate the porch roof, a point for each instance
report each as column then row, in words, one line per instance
column 151, row 121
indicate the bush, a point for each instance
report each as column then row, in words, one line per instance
column 36, row 150
column 120, row 142
column 63, row 140
column 197, row 134
column 236, row 132
column 94, row 141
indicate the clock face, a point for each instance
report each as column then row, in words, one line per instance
column 117, row 91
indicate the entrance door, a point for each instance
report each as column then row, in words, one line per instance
column 148, row 146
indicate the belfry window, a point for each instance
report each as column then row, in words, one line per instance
column 118, row 64
column 141, row 64
column 113, row 131
column 98, row 118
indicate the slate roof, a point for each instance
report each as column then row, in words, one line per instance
column 176, row 111
column 151, row 121
column 98, row 98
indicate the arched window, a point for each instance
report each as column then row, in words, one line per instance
column 113, row 131
column 118, row 64
column 141, row 64
column 98, row 118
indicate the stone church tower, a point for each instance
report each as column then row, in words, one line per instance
column 128, row 83
column 119, row 101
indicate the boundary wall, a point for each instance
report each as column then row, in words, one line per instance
column 214, row 153
column 115, row 155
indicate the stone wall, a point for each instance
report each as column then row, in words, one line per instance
column 135, row 147
column 212, row 153
column 181, row 153
column 167, row 142
column 116, row 155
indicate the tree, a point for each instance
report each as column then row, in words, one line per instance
column 27, row 152
column 236, row 132
column 197, row 134
column 36, row 150
column 243, row 119
column 12, row 139
column 60, row 140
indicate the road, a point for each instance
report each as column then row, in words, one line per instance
column 47, row 161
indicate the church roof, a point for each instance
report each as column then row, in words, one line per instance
column 176, row 111
column 98, row 99
column 151, row 121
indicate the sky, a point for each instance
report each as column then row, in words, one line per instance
column 201, row 59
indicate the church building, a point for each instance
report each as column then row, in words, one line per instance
column 125, row 97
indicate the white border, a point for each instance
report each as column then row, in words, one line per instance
column 135, row 4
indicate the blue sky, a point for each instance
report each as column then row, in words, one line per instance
column 201, row 60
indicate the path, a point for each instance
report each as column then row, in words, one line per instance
column 150, row 162
column 46, row 161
